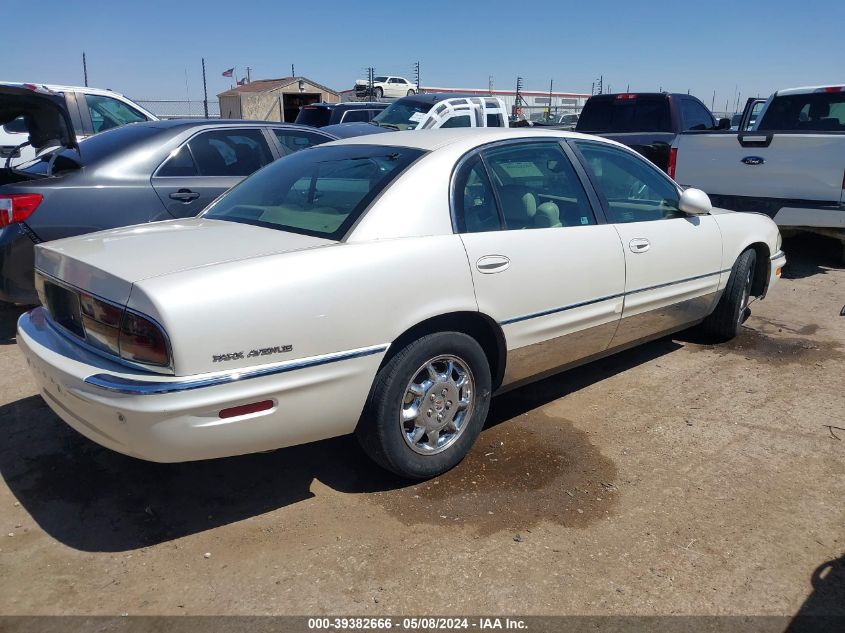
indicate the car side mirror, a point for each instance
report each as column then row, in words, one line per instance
column 723, row 124
column 695, row 202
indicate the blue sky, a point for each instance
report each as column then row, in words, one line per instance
column 146, row 48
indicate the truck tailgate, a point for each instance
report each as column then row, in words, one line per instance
column 785, row 165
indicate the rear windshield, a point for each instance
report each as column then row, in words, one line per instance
column 610, row 114
column 314, row 116
column 819, row 111
column 402, row 115
column 320, row 191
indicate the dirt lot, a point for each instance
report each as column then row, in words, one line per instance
column 679, row 477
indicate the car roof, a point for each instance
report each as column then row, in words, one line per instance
column 434, row 97
column 167, row 124
column 431, row 140
column 810, row 89
column 348, row 104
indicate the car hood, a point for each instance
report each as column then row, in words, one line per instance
column 348, row 130
column 44, row 111
column 109, row 262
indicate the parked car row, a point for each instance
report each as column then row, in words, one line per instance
column 143, row 172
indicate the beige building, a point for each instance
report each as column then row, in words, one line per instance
column 273, row 99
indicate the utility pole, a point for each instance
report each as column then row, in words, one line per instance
column 248, row 78
column 549, row 111
column 371, row 72
column 292, row 71
column 601, row 85
column 490, row 84
column 85, row 69
column 417, row 76
column 518, row 100
column 713, row 101
column 204, row 90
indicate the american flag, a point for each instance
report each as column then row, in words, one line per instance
column 229, row 73
column 242, row 82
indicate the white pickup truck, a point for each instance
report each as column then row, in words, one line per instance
column 790, row 165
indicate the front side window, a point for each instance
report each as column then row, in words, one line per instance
column 462, row 120
column 319, row 192
column 537, row 187
column 107, row 113
column 293, row 141
column 474, row 201
column 634, row 189
column 229, row 152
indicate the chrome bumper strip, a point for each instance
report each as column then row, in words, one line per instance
column 129, row 386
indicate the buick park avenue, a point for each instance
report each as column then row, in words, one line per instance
column 384, row 286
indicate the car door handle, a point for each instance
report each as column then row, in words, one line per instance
column 492, row 264
column 184, row 195
column 639, row 245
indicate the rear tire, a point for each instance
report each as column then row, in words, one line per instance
column 724, row 322
column 427, row 406
column 379, row 93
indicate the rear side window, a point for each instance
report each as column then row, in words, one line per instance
column 495, row 120
column 474, row 202
column 462, row 120
column 321, row 192
column 293, row 141
column 695, row 115
column 356, row 116
column 219, row 153
column 314, row 116
column 614, row 114
column 819, row 111
column 107, row 113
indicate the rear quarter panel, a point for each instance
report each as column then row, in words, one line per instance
column 330, row 299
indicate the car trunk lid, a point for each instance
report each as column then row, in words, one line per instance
column 44, row 114
column 108, row 263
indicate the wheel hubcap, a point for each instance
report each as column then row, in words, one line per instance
column 438, row 402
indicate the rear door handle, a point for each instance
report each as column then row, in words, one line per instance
column 639, row 245
column 184, row 195
column 492, row 264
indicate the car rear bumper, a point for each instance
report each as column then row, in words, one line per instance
column 17, row 257
column 318, row 401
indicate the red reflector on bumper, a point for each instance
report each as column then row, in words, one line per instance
column 244, row 409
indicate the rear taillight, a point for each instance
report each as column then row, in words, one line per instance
column 832, row 89
column 626, row 96
column 142, row 341
column 17, row 207
column 673, row 159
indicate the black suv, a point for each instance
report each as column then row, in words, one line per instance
column 322, row 114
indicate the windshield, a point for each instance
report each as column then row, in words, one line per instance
column 320, row 191
column 611, row 114
column 402, row 115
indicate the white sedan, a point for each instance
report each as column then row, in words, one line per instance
column 387, row 286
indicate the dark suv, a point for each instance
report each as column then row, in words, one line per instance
column 322, row 114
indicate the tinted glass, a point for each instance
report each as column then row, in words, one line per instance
column 356, row 116
column 107, row 113
column 319, row 192
column 695, row 115
column 538, row 187
column 635, row 190
column 495, row 120
column 293, row 141
column 475, row 203
column 180, row 163
column 462, row 120
column 610, row 114
column 822, row 111
column 229, row 152
column 313, row 116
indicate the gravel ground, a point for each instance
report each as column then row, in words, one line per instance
column 678, row 477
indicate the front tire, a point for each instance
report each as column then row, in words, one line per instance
column 427, row 406
column 411, row 93
column 724, row 322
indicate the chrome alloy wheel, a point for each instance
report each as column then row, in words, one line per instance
column 746, row 295
column 437, row 404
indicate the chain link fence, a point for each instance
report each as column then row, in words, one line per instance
column 180, row 109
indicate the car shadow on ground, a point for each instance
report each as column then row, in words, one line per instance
column 808, row 254
column 9, row 315
column 824, row 608
column 93, row 499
